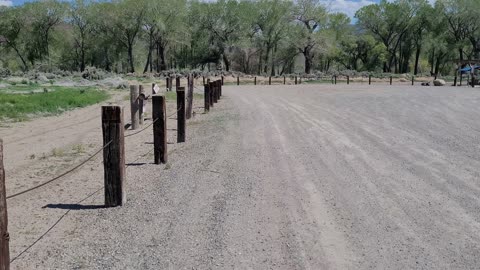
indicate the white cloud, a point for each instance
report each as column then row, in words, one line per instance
column 7, row 3
column 348, row 7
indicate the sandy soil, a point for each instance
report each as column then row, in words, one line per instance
column 278, row 177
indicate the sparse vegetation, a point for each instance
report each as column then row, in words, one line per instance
column 20, row 107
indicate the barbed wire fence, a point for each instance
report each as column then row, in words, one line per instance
column 104, row 148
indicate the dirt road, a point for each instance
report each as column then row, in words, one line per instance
column 298, row 177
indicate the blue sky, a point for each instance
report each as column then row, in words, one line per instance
column 346, row 6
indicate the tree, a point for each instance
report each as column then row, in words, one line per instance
column 311, row 17
column 12, row 26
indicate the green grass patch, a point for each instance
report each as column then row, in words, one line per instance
column 24, row 88
column 20, row 107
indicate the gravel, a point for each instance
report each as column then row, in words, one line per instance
column 286, row 177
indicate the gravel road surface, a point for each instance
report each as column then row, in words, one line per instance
column 293, row 177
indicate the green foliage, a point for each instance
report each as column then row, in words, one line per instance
column 269, row 37
column 20, row 107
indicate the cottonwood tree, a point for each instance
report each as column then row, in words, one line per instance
column 311, row 17
column 12, row 27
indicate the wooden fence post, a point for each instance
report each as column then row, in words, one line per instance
column 295, row 80
column 189, row 96
column 159, row 114
column 369, row 79
column 219, row 90
column 113, row 156
column 335, row 77
column 255, row 81
column 215, row 90
column 141, row 104
column 181, row 123
column 210, row 93
column 5, row 238
column 134, row 106
column 270, row 80
column 177, row 82
column 170, row 85
column 391, row 80
column 348, row 79
column 167, row 81
column 206, row 97
column 222, row 80
column 455, row 81
column 238, row 80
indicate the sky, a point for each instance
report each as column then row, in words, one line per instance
column 346, row 6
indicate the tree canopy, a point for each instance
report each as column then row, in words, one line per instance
column 270, row 37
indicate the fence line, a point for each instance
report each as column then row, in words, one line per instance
column 112, row 126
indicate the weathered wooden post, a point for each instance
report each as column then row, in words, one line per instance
column 348, row 79
column 141, row 105
column 222, row 79
column 181, row 123
column 177, row 82
column 170, row 85
column 255, row 81
column 212, row 93
column 335, row 76
column 159, row 114
column 219, row 89
column 238, row 80
column 455, row 81
column 270, row 80
column 134, row 106
column 113, row 156
column 215, row 90
column 296, row 80
column 5, row 238
column 190, row 96
column 370, row 79
column 206, row 97
column 391, row 80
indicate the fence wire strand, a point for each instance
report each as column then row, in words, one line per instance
column 61, row 175
column 145, row 128
column 53, row 226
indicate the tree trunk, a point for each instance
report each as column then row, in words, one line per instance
column 21, row 57
column 273, row 63
column 432, row 62
column 130, row 58
column 163, row 64
column 417, row 59
column 227, row 62
column 308, row 60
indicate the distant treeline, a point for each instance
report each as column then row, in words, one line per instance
column 270, row 37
